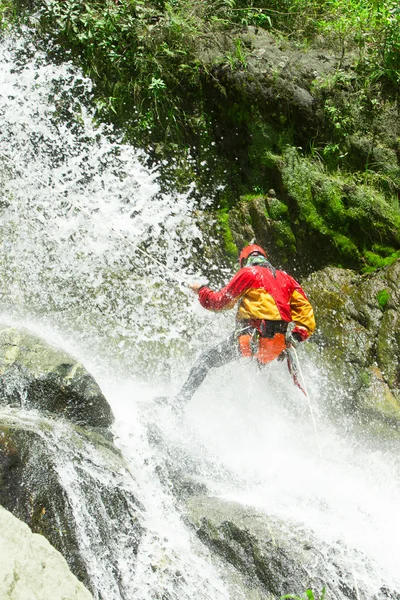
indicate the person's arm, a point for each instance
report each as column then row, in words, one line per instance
column 302, row 313
column 229, row 295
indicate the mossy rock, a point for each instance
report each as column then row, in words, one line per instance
column 316, row 218
column 358, row 339
column 265, row 219
column 37, row 375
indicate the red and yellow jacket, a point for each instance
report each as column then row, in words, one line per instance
column 263, row 293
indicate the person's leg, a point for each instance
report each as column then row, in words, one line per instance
column 220, row 355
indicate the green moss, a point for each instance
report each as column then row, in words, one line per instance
column 298, row 177
column 229, row 244
column 277, row 210
column 383, row 298
column 346, row 247
column 7, row 13
column 375, row 261
column 383, row 250
column 284, row 237
column 360, row 224
column 249, row 197
column 264, row 139
column 270, row 159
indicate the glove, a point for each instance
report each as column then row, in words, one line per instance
column 293, row 339
column 296, row 335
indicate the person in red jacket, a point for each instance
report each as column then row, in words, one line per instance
column 268, row 301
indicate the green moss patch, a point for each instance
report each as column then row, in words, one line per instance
column 229, row 244
column 383, row 297
column 354, row 217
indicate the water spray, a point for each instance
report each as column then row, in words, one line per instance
column 178, row 278
column 303, row 388
column 307, row 395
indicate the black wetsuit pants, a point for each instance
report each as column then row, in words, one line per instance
column 225, row 352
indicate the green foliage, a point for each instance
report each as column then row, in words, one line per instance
column 237, row 59
column 7, row 13
column 375, row 261
column 139, row 54
column 358, row 224
column 371, row 28
column 308, row 595
column 278, row 210
column 383, row 298
column 284, row 238
column 152, row 79
column 223, row 221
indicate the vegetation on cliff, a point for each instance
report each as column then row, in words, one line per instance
column 299, row 97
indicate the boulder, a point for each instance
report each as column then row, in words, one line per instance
column 60, row 472
column 278, row 77
column 358, row 339
column 275, row 557
column 71, row 485
column 30, row 568
column 37, row 375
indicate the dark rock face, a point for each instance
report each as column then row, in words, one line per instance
column 358, row 337
column 273, row 557
column 32, row 469
column 278, row 79
column 59, row 471
column 35, row 375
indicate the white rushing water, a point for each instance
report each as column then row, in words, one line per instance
column 76, row 204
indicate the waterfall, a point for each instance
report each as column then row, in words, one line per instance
column 85, row 232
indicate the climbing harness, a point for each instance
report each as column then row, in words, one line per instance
column 263, row 340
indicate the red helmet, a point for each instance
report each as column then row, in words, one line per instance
column 252, row 249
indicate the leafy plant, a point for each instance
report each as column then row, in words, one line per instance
column 308, row 595
column 156, row 69
column 7, row 13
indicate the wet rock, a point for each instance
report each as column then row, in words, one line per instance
column 31, row 568
column 358, row 338
column 72, row 486
column 36, row 375
column 278, row 78
column 266, row 219
column 272, row 556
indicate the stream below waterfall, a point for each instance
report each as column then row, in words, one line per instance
column 84, row 230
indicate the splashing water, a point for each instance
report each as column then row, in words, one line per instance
column 84, row 220
column 76, row 205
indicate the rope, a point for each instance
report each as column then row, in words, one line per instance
column 322, row 458
column 309, row 402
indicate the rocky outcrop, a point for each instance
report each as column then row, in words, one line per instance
column 60, row 472
column 276, row 557
column 273, row 75
column 358, row 339
column 70, row 485
column 311, row 219
column 36, row 375
column 31, row 568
